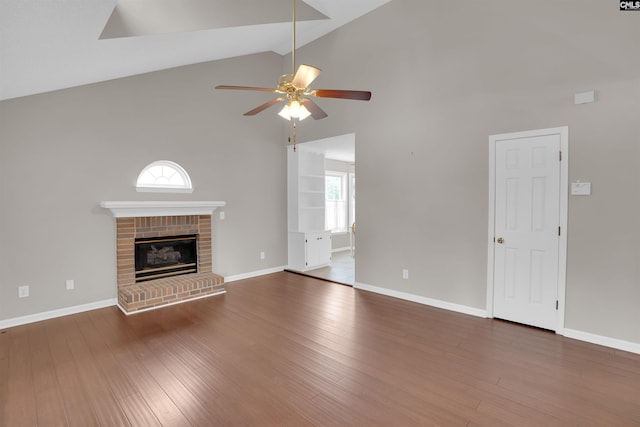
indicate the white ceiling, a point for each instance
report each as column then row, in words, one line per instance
column 341, row 147
column 47, row 45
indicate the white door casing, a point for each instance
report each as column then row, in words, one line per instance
column 528, row 192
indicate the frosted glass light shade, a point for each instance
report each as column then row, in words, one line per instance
column 294, row 110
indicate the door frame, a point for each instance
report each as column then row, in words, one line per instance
column 563, row 220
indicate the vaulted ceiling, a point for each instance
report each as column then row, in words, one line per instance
column 47, row 45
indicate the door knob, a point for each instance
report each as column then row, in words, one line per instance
column 500, row 240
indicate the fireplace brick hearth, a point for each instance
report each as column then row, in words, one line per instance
column 169, row 290
column 132, row 296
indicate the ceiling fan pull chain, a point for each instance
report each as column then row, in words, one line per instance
column 294, row 135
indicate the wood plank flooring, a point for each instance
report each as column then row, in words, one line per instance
column 289, row 350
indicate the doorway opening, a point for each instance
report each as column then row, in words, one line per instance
column 339, row 206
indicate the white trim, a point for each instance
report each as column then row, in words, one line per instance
column 129, row 313
column 249, row 275
column 305, row 270
column 187, row 187
column 132, row 209
column 491, row 228
column 614, row 343
column 31, row 318
column 342, row 249
column 569, row 333
column 163, row 190
column 602, row 340
column 340, row 233
column 564, row 203
column 472, row 311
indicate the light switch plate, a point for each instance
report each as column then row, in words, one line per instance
column 580, row 188
column 584, row 97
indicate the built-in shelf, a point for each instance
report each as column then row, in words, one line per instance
column 309, row 243
column 134, row 209
column 306, row 191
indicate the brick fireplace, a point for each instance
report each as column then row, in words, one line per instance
column 136, row 220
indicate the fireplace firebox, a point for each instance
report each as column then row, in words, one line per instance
column 160, row 257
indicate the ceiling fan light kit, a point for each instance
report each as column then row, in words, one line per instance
column 294, row 90
column 294, row 110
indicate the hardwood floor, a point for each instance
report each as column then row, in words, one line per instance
column 289, row 350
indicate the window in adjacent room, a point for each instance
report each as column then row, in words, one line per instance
column 352, row 199
column 164, row 176
column 337, row 201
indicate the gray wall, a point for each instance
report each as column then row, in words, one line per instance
column 63, row 152
column 445, row 76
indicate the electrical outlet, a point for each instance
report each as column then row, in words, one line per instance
column 405, row 273
column 70, row 284
column 23, row 291
column 261, row 255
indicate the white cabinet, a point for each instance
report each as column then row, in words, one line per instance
column 305, row 190
column 309, row 250
column 309, row 242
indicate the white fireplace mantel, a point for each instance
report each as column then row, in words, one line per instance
column 133, row 209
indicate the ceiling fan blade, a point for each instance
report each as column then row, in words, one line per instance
column 305, row 75
column 263, row 107
column 316, row 112
column 260, row 89
column 359, row 95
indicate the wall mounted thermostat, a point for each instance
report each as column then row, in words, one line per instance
column 580, row 188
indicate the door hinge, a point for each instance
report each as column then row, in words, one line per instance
column 556, row 304
column 560, row 155
column 558, row 231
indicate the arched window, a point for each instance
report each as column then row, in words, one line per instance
column 164, row 176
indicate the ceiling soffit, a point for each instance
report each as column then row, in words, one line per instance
column 134, row 18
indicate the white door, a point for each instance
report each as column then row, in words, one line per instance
column 318, row 249
column 527, row 228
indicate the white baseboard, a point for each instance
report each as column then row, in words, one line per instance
column 37, row 317
column 423, row 300
column 23, row 320
column 615, row 343
column 629, row 346
column 569, row 333
column 253, row 274
column 344, row 248
column 305, row 270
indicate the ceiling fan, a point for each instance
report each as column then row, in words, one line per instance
column 295, row 92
